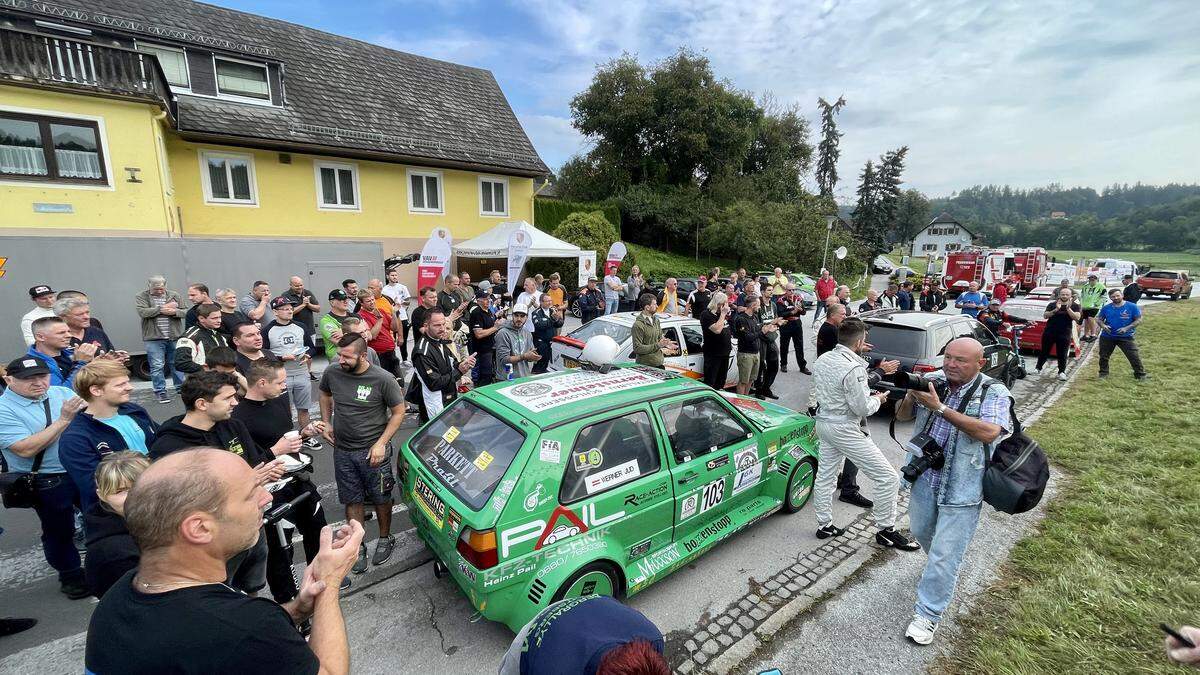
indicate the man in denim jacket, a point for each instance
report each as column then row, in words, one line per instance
column 945, row 504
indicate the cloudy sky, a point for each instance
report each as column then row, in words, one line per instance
column 1024, row 93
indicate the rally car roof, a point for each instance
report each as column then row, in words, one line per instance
column 550, row 399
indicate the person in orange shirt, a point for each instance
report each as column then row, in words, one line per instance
column 558, row 294
column 384, row 304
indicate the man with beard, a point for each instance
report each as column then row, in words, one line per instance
column 383, row 338
column 436, row 367
column 248, row 341
column 331, row 323
column 362, row 407
column 790, row 307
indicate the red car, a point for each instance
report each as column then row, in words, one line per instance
column 1029, row 314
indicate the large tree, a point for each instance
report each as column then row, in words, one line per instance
column 869, row 222
column 828, row 152
column 912, row 214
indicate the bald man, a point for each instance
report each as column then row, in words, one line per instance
column 966, row 413
column 189, row 513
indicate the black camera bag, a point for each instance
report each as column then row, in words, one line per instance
column 1017, row 472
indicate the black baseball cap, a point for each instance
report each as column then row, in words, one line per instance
column 27, row 366
column 480, row 293
column 281, row 302
column 40, row 290
column 338, row 294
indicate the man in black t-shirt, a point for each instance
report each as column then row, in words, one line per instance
column 483, row 338
column 1132, row 292
column 748, row 332
column 1060, row 315
column 827, row 336
column 267, row 414
column 190, row 513
column 697, row 300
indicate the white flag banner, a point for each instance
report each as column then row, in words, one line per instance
column 587, row 266
column 518, row 251
column 435, row 258
column 616, row 253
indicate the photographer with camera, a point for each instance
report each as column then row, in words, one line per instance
column 844, row 401
column 962, row 414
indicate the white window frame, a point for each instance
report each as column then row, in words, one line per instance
column 207, row 183
column 269, row 100
column 186, row 66
column 110, row 187
column 507, row 193
column 441, row 183
column 336, row 166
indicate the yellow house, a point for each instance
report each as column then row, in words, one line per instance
column 173, row 119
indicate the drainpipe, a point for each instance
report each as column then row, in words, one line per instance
column 157, row 119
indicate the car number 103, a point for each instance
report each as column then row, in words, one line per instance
column 714, row 493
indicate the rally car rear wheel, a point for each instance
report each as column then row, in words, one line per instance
column 800, row 485
column 599, row 578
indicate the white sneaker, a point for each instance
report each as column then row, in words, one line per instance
column 921, row 630
column 1062, row 377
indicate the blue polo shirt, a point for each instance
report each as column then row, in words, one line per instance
column 1115, row 318
column 968, row 298
column 21, row 418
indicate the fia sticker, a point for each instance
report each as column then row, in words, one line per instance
column 451, row 434
column 483, row 460
column 550, row 452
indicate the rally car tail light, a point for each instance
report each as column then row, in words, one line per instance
column 478, row 548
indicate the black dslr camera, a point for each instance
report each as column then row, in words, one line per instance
column 903, row 380
column 932, row 457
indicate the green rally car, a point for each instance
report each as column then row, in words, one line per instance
column 581, row 481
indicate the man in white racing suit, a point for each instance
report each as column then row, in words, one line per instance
column 844, row 401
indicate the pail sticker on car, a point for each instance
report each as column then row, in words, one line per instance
column 749, row 469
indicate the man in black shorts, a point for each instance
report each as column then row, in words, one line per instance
column 369, row 407
column 189, row 513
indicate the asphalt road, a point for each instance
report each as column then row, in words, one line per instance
column 413, row 622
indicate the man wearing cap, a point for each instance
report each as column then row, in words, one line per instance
column 199, row 339
column 514, row 344
column 330, row 325
column 43, row 300
column 992, row 317
column 613, row 288
column 33, row 414
column 162, row 324
column 289, row 341
column 483, row 327
column 590, row 301
column 1091, row 299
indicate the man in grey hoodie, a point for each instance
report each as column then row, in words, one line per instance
column 514, row 346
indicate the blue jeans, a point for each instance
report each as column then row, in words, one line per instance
column 944, row 532
column 610, row 306
column 162, row 355
column 56, row 499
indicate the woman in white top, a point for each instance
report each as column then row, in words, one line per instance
column 400, row 297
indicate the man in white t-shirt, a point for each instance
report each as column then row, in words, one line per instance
column 530, row 297
column 400, row 297
column 42, row 296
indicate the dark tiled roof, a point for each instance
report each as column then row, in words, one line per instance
column 340, row 92
column 945, row 218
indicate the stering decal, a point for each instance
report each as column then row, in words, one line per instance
column 718, row 462
column 749, row 469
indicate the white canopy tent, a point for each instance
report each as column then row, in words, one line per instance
column 494, row 243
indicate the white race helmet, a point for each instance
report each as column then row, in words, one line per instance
column 600, row 350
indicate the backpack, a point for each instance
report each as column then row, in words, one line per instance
column 1017, row 472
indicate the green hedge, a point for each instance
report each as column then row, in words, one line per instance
column 548, row 213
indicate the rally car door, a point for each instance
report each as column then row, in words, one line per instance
column 713, row 456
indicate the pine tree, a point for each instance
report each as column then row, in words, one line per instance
column 828, row 153
column 868, row 222
column 887, row 184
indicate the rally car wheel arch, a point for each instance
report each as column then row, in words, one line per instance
column 599, row 577
column 800, row 485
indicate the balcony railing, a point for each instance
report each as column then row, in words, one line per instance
column 35, row 59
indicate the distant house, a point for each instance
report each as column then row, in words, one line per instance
column 1057, row 215
column 942, row 235
column 546, row 188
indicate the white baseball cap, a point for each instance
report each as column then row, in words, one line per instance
column 520, row 308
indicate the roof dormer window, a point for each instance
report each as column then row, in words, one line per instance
column 244, row 80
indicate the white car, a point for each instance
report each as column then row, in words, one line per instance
column 683, row 330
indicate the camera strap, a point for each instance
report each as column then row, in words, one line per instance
column 929, row 419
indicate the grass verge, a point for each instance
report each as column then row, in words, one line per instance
column 656, row 264
column 1117, row 551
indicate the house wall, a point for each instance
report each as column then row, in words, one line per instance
column 287, row 199
column 962, row 238
column 129, row 139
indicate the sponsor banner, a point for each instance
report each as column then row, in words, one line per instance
column 587, row 266
column 571, row 387
column 616, row 253
column 435, row 258
column 518, row 251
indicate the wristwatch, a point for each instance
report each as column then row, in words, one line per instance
column 941, row 410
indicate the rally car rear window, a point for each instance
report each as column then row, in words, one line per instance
column 468, row 449
column 896, row 341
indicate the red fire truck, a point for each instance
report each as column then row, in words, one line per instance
column 1024, row 267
